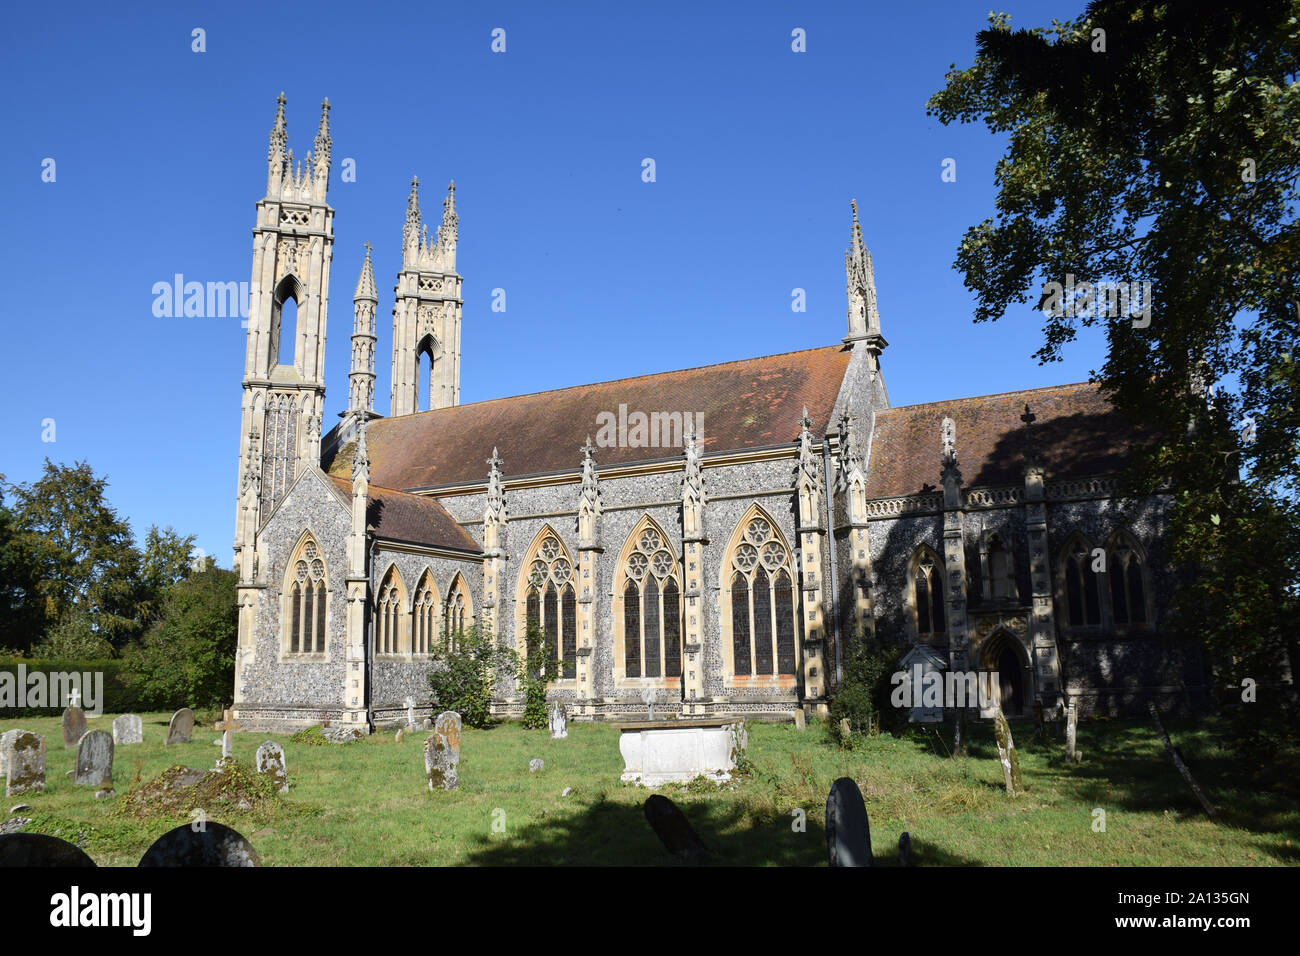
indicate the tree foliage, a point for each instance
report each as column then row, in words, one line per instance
column 1161, row 142
column 187, row 657
column 463, row 675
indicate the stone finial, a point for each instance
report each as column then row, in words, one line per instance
column 366, row 282
column 850, row 455
column 693, row 481
column 496, row 500
column 323, row 142
column 864, row 315
column 807, row 457
column 411, row 231
column 361, row 459
column 449, row 217
column 950, row 474
column 279, row 135
column 590, row 480
column 1031, row 445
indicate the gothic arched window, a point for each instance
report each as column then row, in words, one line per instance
column 927, row 594
column 390, row 632
column 550, row 601
column 1082, row 589
column 457, row 614
column 651, row 594
column 1128, row 603
column 1002, row 570
column 305, row 596
column 764, row 613
column 424, row 614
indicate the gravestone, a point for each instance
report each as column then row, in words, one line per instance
column 648, row 698
column 800, row 719
column 536, row 764
column 673, row 829
column 905, row 849
column 848, row 832
column 440, row 761
column 94, row 766
column 128, row 729
column 6, row 741
column 270, row 760
column 39, row 849
column 1007, row 755
column 181, row 726
column 227, row 726
column 449, row 725
column 25, row 764
column 410, row 713
column 74, row 723
column 846, row 729
column 918, row 665
column 399, row 735
column 559, row 722
column 214, row 845
column 1071, row 730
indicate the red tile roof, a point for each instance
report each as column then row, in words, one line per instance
column 747, row 404
column 413, row 519
column 1077, row 432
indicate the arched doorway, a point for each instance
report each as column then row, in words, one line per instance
column 1004, row 654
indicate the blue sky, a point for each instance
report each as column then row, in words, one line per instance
column 160, row 156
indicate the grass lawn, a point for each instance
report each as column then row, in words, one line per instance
column 367, row 803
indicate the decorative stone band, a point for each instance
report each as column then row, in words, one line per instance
column 1079, row 489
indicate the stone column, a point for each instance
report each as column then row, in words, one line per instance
column 1042, row 622
column 358, row 587
column 954, row 553
column 811, row 531
column 589, row 551
column 694, row 542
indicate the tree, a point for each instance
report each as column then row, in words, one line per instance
column 1161, row 143
column 81, row 554
column 464, row 672
column 187, row 657
column 164, row 561
column 22, row 616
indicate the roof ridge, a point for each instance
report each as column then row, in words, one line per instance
column 627, row 378
column 1013, row 391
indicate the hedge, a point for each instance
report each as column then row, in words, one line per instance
column 119, row 697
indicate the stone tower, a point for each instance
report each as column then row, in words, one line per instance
column 426, row 319
column 361, row 380
column 292, row 247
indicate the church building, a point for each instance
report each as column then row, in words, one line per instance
column 719, row 545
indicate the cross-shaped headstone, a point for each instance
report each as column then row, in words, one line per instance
column 410, row 712
column 228, row 726
column 75, row 697
column 648, row 698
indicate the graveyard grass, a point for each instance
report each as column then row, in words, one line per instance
column 367, row 803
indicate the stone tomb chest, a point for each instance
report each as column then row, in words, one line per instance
column 675, row 751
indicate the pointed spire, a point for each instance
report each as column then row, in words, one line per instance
column 323, row 141
column 1031, row 445
column 950, row 474
column 412, row 228
column 693, row 481
column 850, row 454
column 279, row 133
column 590, row 487
column 366, row 283
column 449, row 218
column 860, row 273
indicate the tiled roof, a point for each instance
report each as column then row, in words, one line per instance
column 747, row 404
column 1077, row 432
column 413, row 519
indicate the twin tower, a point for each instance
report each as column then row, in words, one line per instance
column 293, row 245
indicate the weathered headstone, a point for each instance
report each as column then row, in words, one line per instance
column 399, row 735
column 848, row 832
column 39, row 849
column 1007, row 755
column 74, row 725
column 1071, row 730
column 1040, row 725
column 449, row 725
column 128, row 729
column 440, row 762
column 94, row 766
column 846, row 729
column 800, row 719
column 181, row 726
column 739, row 739
column 6, row 741
column 559, row 722
column 648, row 698
column 905, row 849
column 536, row 764
column 25, row 764
column 213, row 845
column 270, row 760
column 673, row 829
column 410, row 712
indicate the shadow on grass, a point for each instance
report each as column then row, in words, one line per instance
column 608, row 833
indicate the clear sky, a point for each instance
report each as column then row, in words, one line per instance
column 160, row 155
